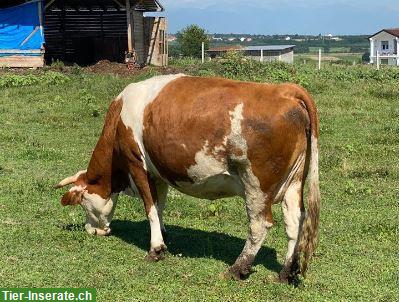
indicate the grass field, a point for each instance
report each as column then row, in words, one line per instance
column 50, row 123
column 335, row 57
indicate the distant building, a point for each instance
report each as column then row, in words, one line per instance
column 172, row 38
column 271, row 53
column 384, row 47
column 287, row 38
column 266, row 53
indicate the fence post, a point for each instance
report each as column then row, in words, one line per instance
column 261, row 55
column 319, row 67
column 378, row 60
column 203, row 52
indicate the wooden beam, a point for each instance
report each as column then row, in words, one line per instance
column 120, row 4
column 129, row 27
column 49, row 4
column 19, row 51
column 30, row 35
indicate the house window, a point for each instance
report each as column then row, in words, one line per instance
column 384, row 45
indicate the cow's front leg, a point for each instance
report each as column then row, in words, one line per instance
column 147, row 190
column 162, row 192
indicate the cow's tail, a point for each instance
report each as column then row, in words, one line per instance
column 310, row 226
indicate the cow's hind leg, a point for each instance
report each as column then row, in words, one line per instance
column 258, row 212
column 293, row 216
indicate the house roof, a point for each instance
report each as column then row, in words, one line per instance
column 392, row 31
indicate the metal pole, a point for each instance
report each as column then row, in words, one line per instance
column 319, row 58
column 203, row 52
column 261, row 55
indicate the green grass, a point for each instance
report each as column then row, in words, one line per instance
column 49, row 128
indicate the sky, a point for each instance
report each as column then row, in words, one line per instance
column 337, row 17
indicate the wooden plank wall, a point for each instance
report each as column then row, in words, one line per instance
column 76, row 35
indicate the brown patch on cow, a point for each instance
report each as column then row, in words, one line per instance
column 72, row 198
column 106, row 172
column 99, row 171
column 274, row 127
column 197, row 116
column 130, row 158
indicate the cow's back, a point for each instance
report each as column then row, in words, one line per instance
column 199, row 132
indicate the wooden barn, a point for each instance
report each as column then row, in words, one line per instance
column 83, row 32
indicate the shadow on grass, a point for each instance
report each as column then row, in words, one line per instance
column 193, row 243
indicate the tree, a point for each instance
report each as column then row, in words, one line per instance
column 190, row 40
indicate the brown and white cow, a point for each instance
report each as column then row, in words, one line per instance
column 209, row 138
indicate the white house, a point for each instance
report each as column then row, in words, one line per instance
column 384, row 47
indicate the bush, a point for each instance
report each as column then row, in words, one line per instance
column 47, row 78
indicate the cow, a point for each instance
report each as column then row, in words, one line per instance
column 209, row 138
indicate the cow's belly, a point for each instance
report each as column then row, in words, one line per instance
column 212, row 187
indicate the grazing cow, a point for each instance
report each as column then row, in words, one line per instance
column 209, row 138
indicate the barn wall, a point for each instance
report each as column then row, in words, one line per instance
column 155, row 29
column 85, row 37
column 286, row 56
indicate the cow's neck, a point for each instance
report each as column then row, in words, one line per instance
column 99, row 171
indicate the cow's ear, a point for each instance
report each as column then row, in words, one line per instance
column 72, row 198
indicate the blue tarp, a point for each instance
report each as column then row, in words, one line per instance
column 18, row 23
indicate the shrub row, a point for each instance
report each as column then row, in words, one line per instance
column 18, row 80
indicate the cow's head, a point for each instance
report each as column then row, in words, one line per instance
column 99, row 210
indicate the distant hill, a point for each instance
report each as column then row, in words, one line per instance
column 347, row 17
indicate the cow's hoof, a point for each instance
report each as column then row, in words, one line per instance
column 236, row 273
column 287, row 278
column 282, row 277
column 157, row 253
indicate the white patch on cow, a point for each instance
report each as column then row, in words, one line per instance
column 314, row 173
column 156, row 235
column 77, row 189
column 206, row 165
column 292, row 216
column 210, row 175
column 135, row 98
column 99, row 211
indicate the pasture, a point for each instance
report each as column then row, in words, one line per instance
column 50, row 123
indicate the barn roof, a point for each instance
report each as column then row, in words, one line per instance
column 392, row 31
column 251, row 48
column 96, row 5
column 269, row 47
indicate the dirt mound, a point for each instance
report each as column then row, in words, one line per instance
column 120, row 69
